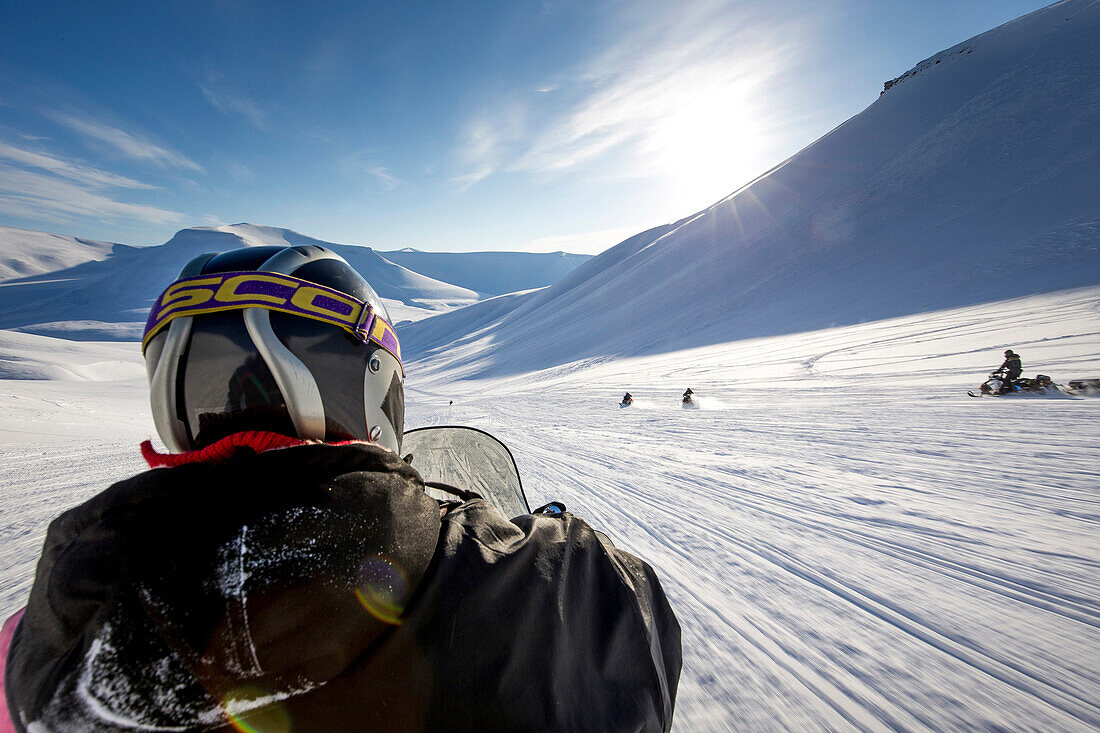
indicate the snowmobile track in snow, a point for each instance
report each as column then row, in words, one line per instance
column 1002, row 669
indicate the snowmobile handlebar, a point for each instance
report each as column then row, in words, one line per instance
column 463, row 494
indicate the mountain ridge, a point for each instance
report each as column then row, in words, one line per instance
column 73, row 288
column 26, row 252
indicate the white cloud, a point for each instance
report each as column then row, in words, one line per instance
column 679, row 90
column 482, row 140
column 125, row 143
column 79, row 172
column 354, row 165
column 384, row 178
column 35, row 195
column 466, row 180
column 232, row 102
column 486, row 142
column 703, row 54
column 479, row 152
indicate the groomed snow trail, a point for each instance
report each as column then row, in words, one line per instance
column 840, row 561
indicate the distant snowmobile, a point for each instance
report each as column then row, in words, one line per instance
column 998, row 385
column 689, row 400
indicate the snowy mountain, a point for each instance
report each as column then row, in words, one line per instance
column 84, row 289
column 110, row 298
column 975, row 177
column 25, row 253
column 391, row 281
column 490, row 273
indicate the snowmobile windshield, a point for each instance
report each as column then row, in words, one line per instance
column 469, row 459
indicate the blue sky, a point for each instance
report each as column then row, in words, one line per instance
column 524, row 125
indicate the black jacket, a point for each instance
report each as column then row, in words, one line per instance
column 319, row 587
column 1012, row 368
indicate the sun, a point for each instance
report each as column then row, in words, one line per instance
column 706, row 147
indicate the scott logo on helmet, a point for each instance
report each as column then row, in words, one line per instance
column 283, row 293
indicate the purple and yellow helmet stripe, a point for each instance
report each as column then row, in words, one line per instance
column 229, row 291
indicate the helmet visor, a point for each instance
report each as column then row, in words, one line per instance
column 227, row 386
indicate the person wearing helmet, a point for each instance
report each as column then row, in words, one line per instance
column 288, row 340
column 1012, row 368
column 282, row 567
column 687, row 395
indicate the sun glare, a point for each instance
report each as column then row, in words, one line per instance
column 707, row 147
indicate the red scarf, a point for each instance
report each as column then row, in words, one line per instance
column 257, row 441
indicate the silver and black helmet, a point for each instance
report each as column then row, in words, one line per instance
column 284, row 339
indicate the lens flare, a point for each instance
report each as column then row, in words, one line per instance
column 251, row 710
column 381, row 590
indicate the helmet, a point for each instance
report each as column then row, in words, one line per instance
column 290, row 340
column 1009, row 352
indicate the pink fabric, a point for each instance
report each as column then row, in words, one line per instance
column 6, row 726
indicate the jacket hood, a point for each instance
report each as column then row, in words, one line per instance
column 215, row 589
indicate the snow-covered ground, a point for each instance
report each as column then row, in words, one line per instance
column 849, row 541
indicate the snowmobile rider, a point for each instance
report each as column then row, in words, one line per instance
column 687, row 394
column 283, row 568
column 627, row 398
column 1012, row 367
